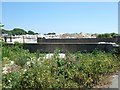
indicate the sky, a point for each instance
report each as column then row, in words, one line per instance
column 61, row 17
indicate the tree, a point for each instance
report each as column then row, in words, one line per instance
column 113, row 34
column 1, row 25
column 4, row 31
column 31, row 33
column 18, row 31
column 107, row 35
column 51, row 33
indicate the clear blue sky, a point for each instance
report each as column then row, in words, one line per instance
column 61, row 17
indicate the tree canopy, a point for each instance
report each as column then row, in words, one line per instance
column 106, row 35
column 50, row 33
column 31, row 33
column 17, row 31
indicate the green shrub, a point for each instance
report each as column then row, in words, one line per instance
column 79, row 70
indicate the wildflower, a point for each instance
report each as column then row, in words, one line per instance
column 4, row 68
column 9, row 81
column 5, row 72
column 28, row 63
column 25, row 70
column 12, row 62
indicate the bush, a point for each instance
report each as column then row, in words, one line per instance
column 79, row 70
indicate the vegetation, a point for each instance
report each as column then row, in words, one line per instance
column 0, row 69
column 17, row 31
column 31, row 33
column 33, row 70
column 50, row 33
column 107, row 35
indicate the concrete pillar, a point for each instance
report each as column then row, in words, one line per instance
column 10, row 38
column 5, row 38
column 23, row 39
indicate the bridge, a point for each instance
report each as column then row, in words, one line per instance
column 73, row 44
column 78, row 40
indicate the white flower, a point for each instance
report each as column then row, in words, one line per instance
column 12, row 62
column 9, row 81
column 33, row 61
column 28, row 63
column 25, row 70
column 5, row 72
column 4, row 68
column 33, row 58
column 38, row 59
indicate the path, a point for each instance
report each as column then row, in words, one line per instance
column 115, row 81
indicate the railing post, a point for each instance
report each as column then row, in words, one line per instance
column 10, row 38
column 5, row 38
column 23, row 39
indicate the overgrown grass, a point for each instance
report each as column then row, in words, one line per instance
column 78, row 70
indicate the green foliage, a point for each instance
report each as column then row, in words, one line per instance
column 31, row 33
column 51, row 33
column 107, row 35
column 6, row 32
column 79, row 70
column 11, row 81
column 17, row 31
column 16, row 53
